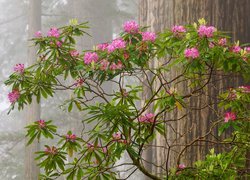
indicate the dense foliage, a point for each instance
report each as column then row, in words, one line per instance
column 119, row 123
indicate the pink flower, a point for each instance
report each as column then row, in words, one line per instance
column 111, row 48
column 131, row 27
column 104, row 150
column 90, row 146
column 41, row 123
column 58, row 43
column 181, row 166
column 245, row 89
column 112, row 66
column 38, row 34
column 71, row 137
column 79, row 82
column 51, row 150
column 150, row 117
column 19, row 68
column 148, row 36
column 206, row 31
column 222, row 41
column 74, row 53
column 117, row 136
column 126, row 55
column 14, row 96
column 53, row 32
column 90, row 57
column 147, row 118
column 102, row 46
column 142, row 119
column 119, row 43
column 229, row 116
column 236, row 49
column 247, row 49
column 104, row 65
column 177, row 30
column 116, row 44
column 117, row 66
column 191, row 53
column 211, row 45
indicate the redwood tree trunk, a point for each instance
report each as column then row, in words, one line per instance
column 226, row 15
column 33, row 110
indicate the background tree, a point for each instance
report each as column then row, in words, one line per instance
column 33, row 110
column 227, row 15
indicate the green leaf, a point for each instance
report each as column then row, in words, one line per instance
column 132, row 152
column 79, row 174
column 32, row 139
column 70, row 106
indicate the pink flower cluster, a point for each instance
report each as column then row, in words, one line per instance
column 104, row 150
column 211, row 45
column 115, row 66
column 79, row 82
column 116, row 44
column 181, row 166
column 38, row 34
column 53, row 32
column 90, row 57
column 222, row 41
column 245, row 89
column 177, row 30
column 206, row 31
column 71, row 137
column 236, row 49
column 59, row 43
column 126, row 55
column 148, row 36
column 247, row 49
column 191, row 53
column 104, row 65
column 14, row 96
column 74, row 53
column 90, row 146
column 117, row 136
column 51, row 150
column 229, row 116
column 41, row 123
column 19, row 68
column 147, row 118
column 131, row 27
column 102, row 46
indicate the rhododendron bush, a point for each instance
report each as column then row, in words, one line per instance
column 122, row 121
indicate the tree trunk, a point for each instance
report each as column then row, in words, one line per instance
column 92, row 12
column 33, row 110
column 226, row 15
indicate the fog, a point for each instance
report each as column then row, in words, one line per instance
column 105, row 19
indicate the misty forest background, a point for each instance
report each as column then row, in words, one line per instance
column 17, row 17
